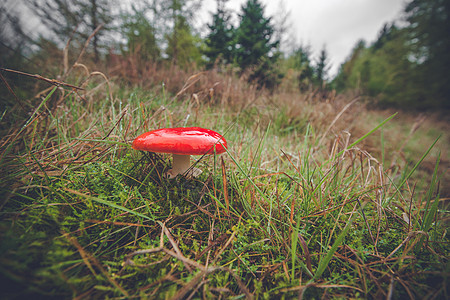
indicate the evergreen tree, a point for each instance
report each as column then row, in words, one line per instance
column 256, row 48
column 342, row 80
column 254, row 35
column 220, row 40
column 393, row 77
column 384, row 36
column 321, row 69
column 302, row 62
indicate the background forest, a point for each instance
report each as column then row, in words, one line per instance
column 332, row 186
column 406, row 67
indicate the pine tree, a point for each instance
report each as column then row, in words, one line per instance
column 254, row 35
column 302, row 62
column 384, row 36
column 321, row 69
column 342, row 81
column 220, row 40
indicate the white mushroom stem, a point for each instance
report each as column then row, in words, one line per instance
column 180, row 164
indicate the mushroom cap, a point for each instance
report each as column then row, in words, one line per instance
column 181, row 141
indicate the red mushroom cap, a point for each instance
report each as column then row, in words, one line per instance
column 181, row 141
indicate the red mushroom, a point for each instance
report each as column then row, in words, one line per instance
column 181, row 142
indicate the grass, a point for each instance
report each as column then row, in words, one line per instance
column 303, row 204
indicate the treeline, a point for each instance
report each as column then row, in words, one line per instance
column 407, row 66
column 248, row 41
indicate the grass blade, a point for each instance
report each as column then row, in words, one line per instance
column 110, row 204
column 410, row 173
column 367, row 134
column 323, row 263
column 430, row 212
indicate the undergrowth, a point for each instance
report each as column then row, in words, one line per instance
column 297, row 207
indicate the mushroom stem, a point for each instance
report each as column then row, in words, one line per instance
column 180, row 164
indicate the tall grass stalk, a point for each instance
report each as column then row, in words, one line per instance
column 431, row 206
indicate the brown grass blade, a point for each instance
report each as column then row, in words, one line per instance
column 48, row 80
column 304, row 246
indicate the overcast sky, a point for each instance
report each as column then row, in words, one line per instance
column 337, row 24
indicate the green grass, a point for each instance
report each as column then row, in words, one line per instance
column 279, row 215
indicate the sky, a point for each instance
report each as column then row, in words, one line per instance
column 336, row 24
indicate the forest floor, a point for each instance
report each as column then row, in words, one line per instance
column 317, row 196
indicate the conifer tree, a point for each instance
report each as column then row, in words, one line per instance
column 254, row 35
column 302, row 62
column 321, row 68
column 342, row 80
column 384, row 36
column 220, row 40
